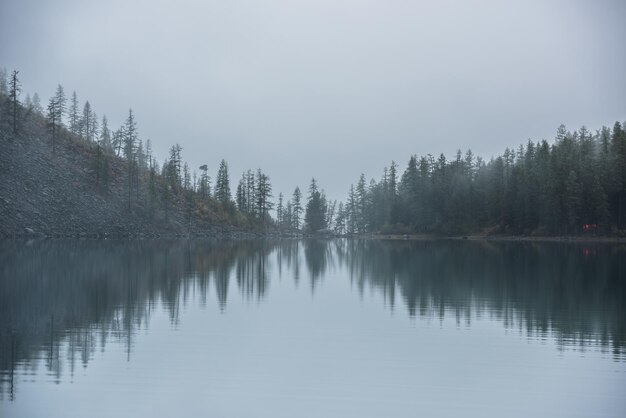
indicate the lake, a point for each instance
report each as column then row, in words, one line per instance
column 312, row 328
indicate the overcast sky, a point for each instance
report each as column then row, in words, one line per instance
column 326, row 88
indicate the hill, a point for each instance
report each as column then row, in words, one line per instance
column 74, row 187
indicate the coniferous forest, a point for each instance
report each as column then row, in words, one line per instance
column 574, row 184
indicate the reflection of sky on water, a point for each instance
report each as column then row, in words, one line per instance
column 181, row 309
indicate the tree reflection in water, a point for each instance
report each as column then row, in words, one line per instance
column 63, row 300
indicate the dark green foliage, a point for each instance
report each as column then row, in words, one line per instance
column 263, row 195
column 173, row 173
column 575, row 186
column 222, row 184
column 316, row 209
column 296, row 208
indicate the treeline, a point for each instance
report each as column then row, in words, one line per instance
column 575, row 185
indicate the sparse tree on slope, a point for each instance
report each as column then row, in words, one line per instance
column 14, row 95
column 74, row 118
column 60, row 100
column 53, row 121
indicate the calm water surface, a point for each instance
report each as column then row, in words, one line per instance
column 312, row 329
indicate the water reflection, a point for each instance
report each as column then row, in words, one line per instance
column 63, row 300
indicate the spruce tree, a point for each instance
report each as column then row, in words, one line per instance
column 53, row 121
column 60, row 100
column 74, row 118
column 315, row 214
column 296, row 207
column 222, row 184
column 15, row 88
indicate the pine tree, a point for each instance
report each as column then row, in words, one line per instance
column 315, row 214
column 263, row 195
column 60, row 100
column 240, row 195
column 288, row 216
column 351, row 221
column 73, row 115
column 129, row 136
column 393, row 181
column 222, row 184
column 14, row 95
column 94, row 128
column 174, row 173
column 250, row 192
column 362, row 204
column 340, row 220
column 279, row 209
column 117, row 140
column 296, row 206
column 186, row 177
column 205, row 187
column 130, row 141
column 53, row 121
column 86, row 123
column 105, row 135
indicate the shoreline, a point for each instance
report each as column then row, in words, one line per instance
column 520, row 238
column 29, row 234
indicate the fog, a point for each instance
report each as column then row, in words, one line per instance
column 326, row 88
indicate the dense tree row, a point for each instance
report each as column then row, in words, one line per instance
column 576, row 185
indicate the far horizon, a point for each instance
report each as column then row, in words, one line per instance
column 328, row 103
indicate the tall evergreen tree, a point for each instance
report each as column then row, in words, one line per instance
column 105, row 135
column 315, row 214
column 279, row 209
column 263, row 195
column 240, row 195
column 222, row 184
column 59, row 98
column 86, row 131
column 74, row 119
column 130, row 143
column 15, row 87
column 296, row 206
column 205, row 182
column 53, row 122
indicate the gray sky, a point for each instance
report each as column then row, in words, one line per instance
column 326, row 88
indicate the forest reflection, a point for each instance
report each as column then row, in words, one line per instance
column 60, row 301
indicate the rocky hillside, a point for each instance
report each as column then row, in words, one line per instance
column 59, row 194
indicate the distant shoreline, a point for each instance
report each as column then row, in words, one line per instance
column 229, row 235
column 525, row 238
